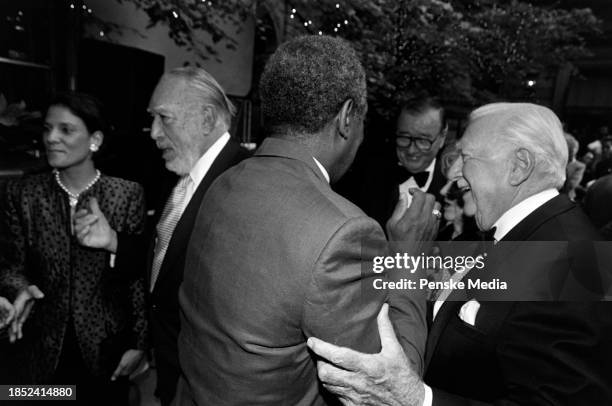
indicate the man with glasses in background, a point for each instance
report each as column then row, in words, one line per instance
column 420, row 135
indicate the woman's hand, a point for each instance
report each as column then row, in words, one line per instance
column 92, row 229
column 23, row 306
column 132, row 361
column 7, row 312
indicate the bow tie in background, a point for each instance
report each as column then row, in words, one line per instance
column 420, row 178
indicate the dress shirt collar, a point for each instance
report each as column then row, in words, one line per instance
column 201, row 167
column 322, row 168
column 517, row 213
column 430, row 171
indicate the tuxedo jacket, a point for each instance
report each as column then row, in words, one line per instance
column 275, row 257
column 105, row 304
column 163, row 301
column 555, row 348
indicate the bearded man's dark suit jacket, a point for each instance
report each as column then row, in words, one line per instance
column 276, row 257
column 163, row 303
column 547, row 352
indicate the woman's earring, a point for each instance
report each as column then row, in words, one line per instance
column 93, row 147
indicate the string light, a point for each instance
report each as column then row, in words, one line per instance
column 72, row 6
column 101, row 33
column 174, row 14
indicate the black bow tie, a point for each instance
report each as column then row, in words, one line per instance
column 420, row 178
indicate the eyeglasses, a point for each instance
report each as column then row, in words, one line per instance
column 423, row 144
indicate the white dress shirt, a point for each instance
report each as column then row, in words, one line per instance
column 322, row 168
column 200, row 169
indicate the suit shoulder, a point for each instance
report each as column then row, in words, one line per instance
column 574, row 225
column 280, row 185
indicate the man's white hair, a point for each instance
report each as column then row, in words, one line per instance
column 535, row 128
column 210, row 90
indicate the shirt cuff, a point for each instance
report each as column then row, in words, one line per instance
column 428, row 396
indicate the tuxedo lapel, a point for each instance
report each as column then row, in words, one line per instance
column 449, row 308
column 229, row 155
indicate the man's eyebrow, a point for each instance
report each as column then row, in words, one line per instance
column 158, row 110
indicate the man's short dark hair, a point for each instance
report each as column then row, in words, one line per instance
column 421, row 103
column 307, row 80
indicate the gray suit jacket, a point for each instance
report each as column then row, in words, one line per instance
column 276, row 257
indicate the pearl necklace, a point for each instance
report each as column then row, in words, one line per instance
column 73, row 198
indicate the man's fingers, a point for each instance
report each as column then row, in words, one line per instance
column 339, row 391
column 400, row 209
column 418, row 200
column 340, row 356
column 332, row 375
column 388, row 340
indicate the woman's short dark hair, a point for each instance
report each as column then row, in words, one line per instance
column 306, row 82
column 86, row 107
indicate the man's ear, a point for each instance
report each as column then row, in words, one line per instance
column 522, row 166
column 345, row 116
column 209, row 118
